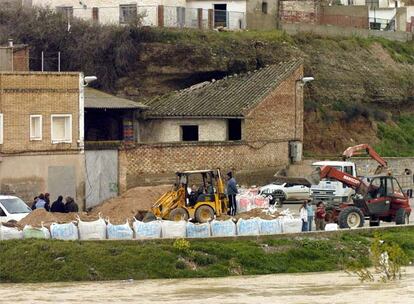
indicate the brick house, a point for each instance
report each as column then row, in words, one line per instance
column 41, row 134
column 247, row 123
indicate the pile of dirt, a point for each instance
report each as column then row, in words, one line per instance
column 250, row 214
column 117, row 210
column 39, row 216
column 126, row 206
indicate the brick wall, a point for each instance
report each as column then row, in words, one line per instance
column 24, row 94
column 157, row 163
column 279, row 117
column 21, row 60
column 298, row 11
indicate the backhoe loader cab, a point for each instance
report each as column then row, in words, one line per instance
column 197, row 195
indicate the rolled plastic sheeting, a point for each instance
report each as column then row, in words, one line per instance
column 331, row 227
column 198, row 230
column 95, row 230
column 248, row 227
column 270, row 226
column 30, row 232
column 291, row 225
column 8, row 233
column 223, row 228
column 119, row 232
column 67, row 232
column 171, row 229
column 150, row 230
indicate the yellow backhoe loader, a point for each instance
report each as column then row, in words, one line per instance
column 197, row 195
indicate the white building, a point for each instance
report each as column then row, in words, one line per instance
column 174, row 13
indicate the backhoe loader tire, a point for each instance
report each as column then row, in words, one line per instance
column 178, row 214
column 402, row 217
column 351, row 217
column 204, row 214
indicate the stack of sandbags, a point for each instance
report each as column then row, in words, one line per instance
column 248, row 227
column 171, row 229
column 270, row 226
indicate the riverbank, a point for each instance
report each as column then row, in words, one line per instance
column 62, row 261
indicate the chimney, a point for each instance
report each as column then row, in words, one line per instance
column 10, row 43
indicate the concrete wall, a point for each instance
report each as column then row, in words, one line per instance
column 169, row 130
column 257, row 20
column 335, row 31
column 28, row 175
column 29, row 93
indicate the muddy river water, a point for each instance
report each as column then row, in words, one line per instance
column 333, row 287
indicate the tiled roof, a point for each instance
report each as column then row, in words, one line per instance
column 228, row 97
column 96, row 99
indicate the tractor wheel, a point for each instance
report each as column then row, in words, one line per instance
column 351, row 217
column 402, row 217
column 204, row 214
column 178, row 214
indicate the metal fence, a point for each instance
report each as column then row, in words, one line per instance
column 158, row 15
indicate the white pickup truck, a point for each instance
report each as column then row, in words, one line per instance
column 12, row 208
column 332, row 191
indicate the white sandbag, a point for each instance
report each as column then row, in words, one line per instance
column 270, row 226
column 119, row 232
column 30, row 232
column 261, row 202
column 244, row 203
column 248, row 227
column 291, row 225
column 150, row 230
column 95, row 230
column 198, row 230
column 172, row 229
column 223, row 228
column 67, row 232
column 8, row 233
column 331, row 227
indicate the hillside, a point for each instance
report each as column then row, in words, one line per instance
column 363, row 89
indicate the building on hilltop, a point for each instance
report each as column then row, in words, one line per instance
column 251, row 123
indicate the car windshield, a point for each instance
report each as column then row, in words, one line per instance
column 15, row 205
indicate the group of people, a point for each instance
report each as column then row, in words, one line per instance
column 43, row 202
column 308, row 214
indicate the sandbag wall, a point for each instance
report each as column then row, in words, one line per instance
column 101, row 229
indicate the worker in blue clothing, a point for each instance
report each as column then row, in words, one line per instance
column 232, row 192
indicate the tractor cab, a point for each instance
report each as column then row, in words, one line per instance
column 197, row 195
column 384, row 197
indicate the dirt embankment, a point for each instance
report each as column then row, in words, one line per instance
column 117, row 210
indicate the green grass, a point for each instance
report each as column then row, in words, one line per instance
column 397, row 139
column 51, row 260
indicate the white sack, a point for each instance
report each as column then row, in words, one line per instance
column 270, row 226
column 8, row 233
column 172, row 229
column 95, row 230
column 150, row 230
column 119, row 232
column 198, row 230
column 30, row 232
column 68, row 231
column 248, row 227
column 223, row 228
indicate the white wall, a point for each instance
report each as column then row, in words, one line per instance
column 109, row 9
column 410, row 13
column 381, row 3
column 169, row 130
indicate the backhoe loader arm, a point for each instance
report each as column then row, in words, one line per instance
column 364, row 149
column 351, row 181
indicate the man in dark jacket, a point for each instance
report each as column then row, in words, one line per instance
column 70, row 205
column 47, row 200
column 58, row 205
column 231, row 193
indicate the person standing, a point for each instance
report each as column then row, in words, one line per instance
column 303, row 214
column 320, row 216
column 70, row 205
column 311, row 214
column 58, row 205
column 232, row 192
column 47, row 200
column 34, row 203
column 40, row 203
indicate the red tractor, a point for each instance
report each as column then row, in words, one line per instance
column 379, row 198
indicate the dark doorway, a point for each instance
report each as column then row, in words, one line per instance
column 220, row 15
column 101, row 125
column 189, row 133
column 234, row 129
